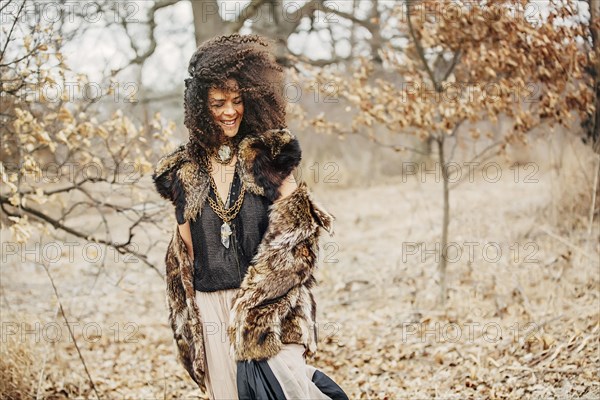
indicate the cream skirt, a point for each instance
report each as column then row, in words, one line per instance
column 288, row 366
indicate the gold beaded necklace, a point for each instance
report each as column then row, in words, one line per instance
column 226, row 214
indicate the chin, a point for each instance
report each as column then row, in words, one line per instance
column 230, row 132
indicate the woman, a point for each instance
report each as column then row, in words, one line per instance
column 241, row 261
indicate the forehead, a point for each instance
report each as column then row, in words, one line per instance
column 230, row 89
column 216, row 93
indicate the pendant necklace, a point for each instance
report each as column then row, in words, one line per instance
column 224, row 154
column 226, row 214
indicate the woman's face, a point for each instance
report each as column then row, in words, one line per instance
column 227, row 108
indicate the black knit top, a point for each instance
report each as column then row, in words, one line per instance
column 217, row 267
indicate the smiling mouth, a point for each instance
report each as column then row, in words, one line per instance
column 229, row 123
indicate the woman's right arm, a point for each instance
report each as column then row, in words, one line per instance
column 186, row 235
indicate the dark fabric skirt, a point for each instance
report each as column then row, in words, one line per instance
column 256, row 381
column 284, row 376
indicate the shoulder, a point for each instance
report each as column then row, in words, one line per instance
column 171, row 160
column 165, row 171
column 269, row 158
column 180, row 178
column 275, row 140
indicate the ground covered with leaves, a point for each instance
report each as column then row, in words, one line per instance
column 521, row 319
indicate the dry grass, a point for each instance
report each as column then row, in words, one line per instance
column 575, row 173
column 392, row 341
column 17, row 369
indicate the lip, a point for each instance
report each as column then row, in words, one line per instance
column 229, row 123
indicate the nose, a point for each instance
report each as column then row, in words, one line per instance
column 229, row 109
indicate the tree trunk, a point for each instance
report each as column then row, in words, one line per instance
column 445, row 222
column 594, row 124
column 207, row 20
column 271, row 21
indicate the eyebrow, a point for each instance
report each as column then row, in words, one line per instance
column 222, row 99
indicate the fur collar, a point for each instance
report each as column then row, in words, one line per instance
column 265, row 161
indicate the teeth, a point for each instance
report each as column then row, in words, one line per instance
column 228, row 122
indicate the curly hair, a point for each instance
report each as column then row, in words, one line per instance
column 247, row 59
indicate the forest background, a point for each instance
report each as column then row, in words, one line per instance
column 456, row 142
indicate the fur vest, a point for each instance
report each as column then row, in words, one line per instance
column 274, row 305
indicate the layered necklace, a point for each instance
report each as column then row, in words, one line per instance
column 225, row 214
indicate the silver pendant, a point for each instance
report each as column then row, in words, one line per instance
column 224, row 153
column 225, row 233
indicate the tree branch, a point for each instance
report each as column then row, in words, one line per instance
column 322, row 62
column 476, row 157
column 455, row 60
column 56, row 224
column 11, row 30
column 141, row 58
column 248, row 12
column 420, row 49
column 371, row 27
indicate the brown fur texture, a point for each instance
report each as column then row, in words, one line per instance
column 274, row 305
column 183, row 310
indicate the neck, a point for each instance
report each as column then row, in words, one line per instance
column 215, row 167
column 214, row 160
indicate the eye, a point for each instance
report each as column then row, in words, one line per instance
column 238, row 101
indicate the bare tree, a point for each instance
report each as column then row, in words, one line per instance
column 278, row 20
column 442, row 74
column 58, row 162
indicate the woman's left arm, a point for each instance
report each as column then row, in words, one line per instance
column 287, row 187
column 280, row 274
